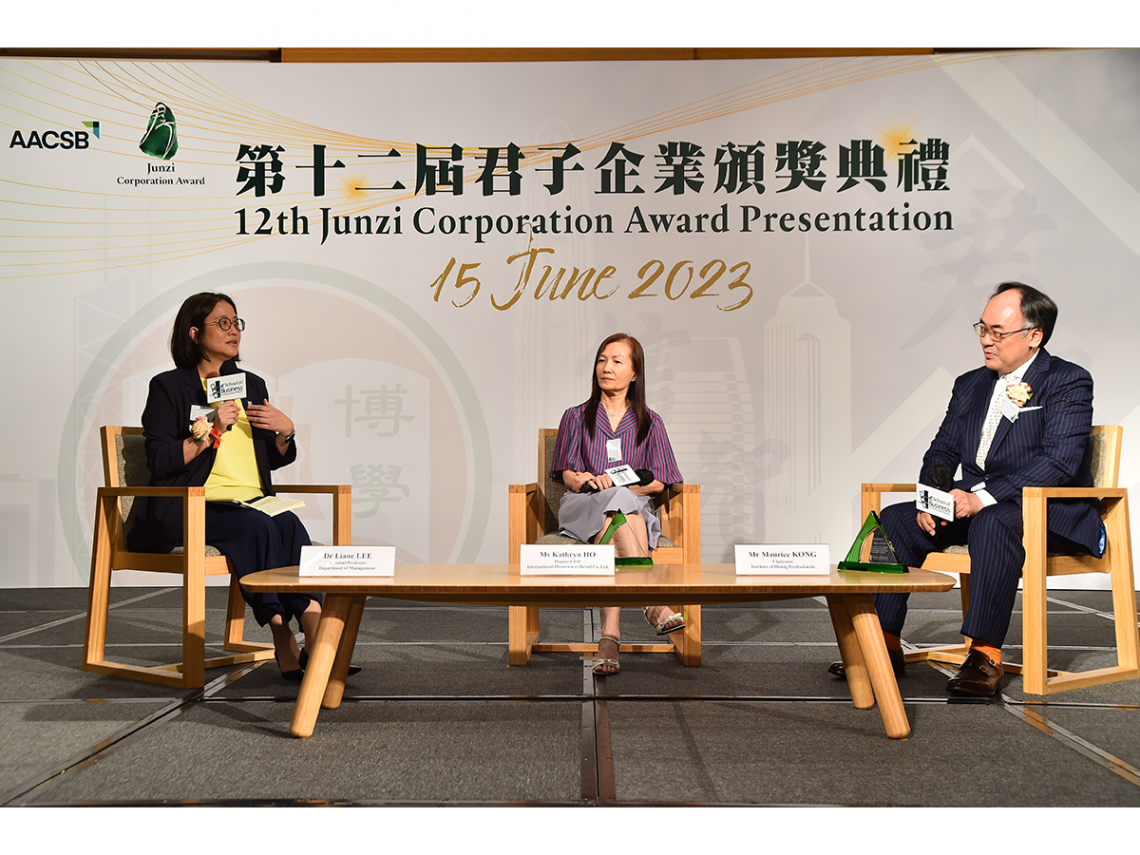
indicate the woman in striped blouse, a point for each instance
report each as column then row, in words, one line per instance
column 611, row 429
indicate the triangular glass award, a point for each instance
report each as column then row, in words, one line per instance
column 633, row 561
column 872, row 550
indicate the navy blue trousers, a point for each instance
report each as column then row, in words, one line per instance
column 996, row 558
column 254, row 541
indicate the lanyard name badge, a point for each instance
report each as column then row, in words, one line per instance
column 613, row 450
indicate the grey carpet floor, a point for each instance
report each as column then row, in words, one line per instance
column 438, row 717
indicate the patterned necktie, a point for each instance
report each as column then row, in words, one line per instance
column 993, row 418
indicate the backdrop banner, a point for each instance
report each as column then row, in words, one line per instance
column 428, row 255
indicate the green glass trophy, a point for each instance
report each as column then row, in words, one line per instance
column 617, row 522
column 872, row 550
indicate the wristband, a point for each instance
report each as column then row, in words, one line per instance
column 292, row 434
column 217, row 437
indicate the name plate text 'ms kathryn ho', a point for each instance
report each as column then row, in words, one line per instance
column 566, row 560
column 783, row 559
column 347, row 561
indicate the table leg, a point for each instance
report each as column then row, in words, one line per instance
column 321, row 657
column 858, row 682
column 874, row 649
column 335, row 690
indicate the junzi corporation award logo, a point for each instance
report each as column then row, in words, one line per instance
column 161, row 137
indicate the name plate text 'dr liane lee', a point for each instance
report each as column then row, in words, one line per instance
column 348, row 561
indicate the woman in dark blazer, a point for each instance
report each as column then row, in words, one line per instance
column 229, row 448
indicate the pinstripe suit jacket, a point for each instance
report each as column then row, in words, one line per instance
column 1045, row 447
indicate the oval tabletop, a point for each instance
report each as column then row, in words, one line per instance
column 502, row 584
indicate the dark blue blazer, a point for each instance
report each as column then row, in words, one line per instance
column 166, row 424
column 1045, row 447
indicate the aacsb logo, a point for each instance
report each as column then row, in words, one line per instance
column 54, row 139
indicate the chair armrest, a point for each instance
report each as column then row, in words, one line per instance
column 342, row 506
column 522, row 518
column 870, row 496
column 332, row 489
column 1074, row 492
column 168, row 492
column 680, row 512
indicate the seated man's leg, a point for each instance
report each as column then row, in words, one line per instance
column 912, row 545
column 996, row 558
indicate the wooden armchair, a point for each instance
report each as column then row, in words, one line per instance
column 126, row 475
column 1117, row 563
column 533, row 518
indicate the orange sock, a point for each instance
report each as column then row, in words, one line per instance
column 893, row 641
column 993, row 653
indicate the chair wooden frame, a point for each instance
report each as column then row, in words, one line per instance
column 680, row 512
column 1038, row 678
column 109, row 553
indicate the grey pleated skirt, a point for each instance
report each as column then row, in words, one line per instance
column 582, row 515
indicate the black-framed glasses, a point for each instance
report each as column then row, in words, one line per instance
column 982, row 330
column 224, row 324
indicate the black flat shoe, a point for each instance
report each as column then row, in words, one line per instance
column 304, row 658
column 898, row 665
column 292, row 676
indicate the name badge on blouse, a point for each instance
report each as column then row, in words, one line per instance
column 613, row 450
column 623, row 475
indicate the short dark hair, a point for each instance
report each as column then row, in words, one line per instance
column 1037, row 310
column 195, row 309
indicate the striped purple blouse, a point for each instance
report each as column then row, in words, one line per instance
column 576, row 450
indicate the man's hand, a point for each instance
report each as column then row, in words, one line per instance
column 965, row 504
column 926, row 522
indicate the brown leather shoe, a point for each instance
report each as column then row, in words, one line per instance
column 898, row 664
column 978, row 675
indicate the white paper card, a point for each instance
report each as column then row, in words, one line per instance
column 347, row 561
column 587, row 559
column 613, row 449
column 623, row 475
column 1008, row 408
column 783, row 559
column 197, row 412
column 935, row 502
column 227, row 388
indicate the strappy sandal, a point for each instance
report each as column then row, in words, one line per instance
column 612, row 663
column 673, row 623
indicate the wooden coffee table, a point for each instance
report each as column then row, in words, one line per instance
column 870, row 677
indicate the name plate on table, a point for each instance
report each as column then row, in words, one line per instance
column 566, row 560
column 783, row 559
column 347, row 561
column 935, row 502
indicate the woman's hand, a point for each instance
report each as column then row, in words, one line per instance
column 226, row 415
column 602, row 482
column 268, row 417
column 651, row 489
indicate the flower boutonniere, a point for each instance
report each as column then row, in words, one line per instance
column 1019, row 393
column 201, row 428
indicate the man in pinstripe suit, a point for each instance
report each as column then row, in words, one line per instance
column 1022, row 420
